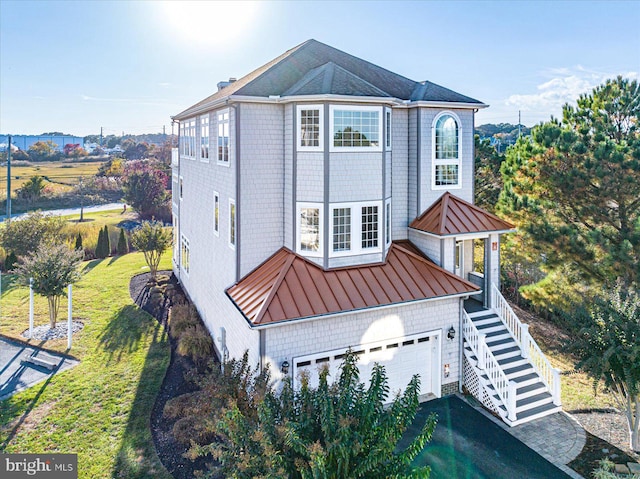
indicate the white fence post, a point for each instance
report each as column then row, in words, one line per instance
column 30, row 308
column 511, row 407
column 557, row 399
column 481, row 351
column 69, row 325
column 525, row 338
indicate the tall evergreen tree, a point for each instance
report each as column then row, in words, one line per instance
column 107, row 242
column 574, row 188
column 123, row 244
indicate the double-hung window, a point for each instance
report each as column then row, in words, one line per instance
column 356, row 128
column 310, row 127
column 355, row 228
column 223, row 137
column 176, row 243
column 180, row 187
column 387, row 222
column 446, row 158
column 387, row 128
column 204, row 137
column 310, row 229
column 184, row 254
column 188, row 138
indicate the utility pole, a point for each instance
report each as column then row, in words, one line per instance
column 519, row 121
column 100, row 137
column 9, row 180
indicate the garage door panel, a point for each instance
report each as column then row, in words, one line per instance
column 401, row 358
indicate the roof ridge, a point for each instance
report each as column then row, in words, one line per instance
column 445, row 206
column 274, row 288
column 478, row 209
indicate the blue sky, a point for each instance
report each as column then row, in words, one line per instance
column 128, row 66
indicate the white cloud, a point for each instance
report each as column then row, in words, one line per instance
column 564, row 86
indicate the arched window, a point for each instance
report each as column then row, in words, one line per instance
column 446, row 164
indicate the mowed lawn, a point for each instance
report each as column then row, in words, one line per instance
column 100, row 409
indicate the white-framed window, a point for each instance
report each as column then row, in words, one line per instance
column 232, row 223
column 223, row 137
column 310, row 120
column 204, row 137
column 175, row 189
column 355, row 228
column 184, row 254
column 180, row 188
column 216, row 213
column 446, row 152
column 188, row 138
column 387, row 222
column 176, row 243
column 387, row 128
column 355, row 128
column 310, row 229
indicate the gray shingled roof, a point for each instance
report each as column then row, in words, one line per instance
column 315, row 68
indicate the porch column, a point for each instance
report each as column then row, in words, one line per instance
column 492, row 272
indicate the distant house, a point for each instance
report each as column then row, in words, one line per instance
column 23, row 142
column 322, row 203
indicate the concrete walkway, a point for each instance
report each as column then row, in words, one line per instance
column 16, row 374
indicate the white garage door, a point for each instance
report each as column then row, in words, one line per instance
column 401, row 358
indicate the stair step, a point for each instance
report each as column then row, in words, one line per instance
column 490, row 327
column 526, row 380
column 536, row 412
column 481, row 314
column 486, row 320
column 533, row 401
column 499, row 342
column 517, row 369
column 512, row 361
column 501, row 332
column 510, row 350
column 530, row 390
column 506, row 352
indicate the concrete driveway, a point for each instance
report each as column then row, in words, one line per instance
column 16, row 374
column 468, row 445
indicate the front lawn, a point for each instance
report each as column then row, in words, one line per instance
column 100, row 409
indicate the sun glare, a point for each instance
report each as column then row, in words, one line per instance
column 210, row 23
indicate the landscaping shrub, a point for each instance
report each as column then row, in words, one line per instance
column 10, row 261
column 123, row 244
column 195, row 342
column 181, row 318
column 78, row 244
column 107, row 241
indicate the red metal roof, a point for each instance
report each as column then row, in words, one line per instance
column 451, row 215
column 288, row 286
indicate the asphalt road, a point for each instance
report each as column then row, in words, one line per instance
column 72, row 211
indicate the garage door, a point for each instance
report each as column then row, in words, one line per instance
column 401, row 358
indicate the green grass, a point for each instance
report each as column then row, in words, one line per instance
column 100, row 409
column 65, row 172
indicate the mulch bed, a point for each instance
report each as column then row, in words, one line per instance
column 593, row 451
column 170, row 452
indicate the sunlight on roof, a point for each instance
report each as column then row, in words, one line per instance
column 210, row 23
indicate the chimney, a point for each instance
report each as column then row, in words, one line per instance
column 224, row 84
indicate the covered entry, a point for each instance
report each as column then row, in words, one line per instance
column 401, row 357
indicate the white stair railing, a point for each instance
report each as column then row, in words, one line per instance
column 488, row 364
column 530, row 350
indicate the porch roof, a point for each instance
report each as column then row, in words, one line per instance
column 452, row 216
column 288, row 287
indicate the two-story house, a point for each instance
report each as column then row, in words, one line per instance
column 322, row 203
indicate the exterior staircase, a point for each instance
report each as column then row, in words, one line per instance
column 504, row 367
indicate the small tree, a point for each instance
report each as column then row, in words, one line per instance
column 78, row 242
column 25, row 235
column 101, row 251
column 609, row 348
column 32, row 189
column 153, row 240
column 340, row 431
column 52, row 269
column 107, row 241
column 123, row 244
